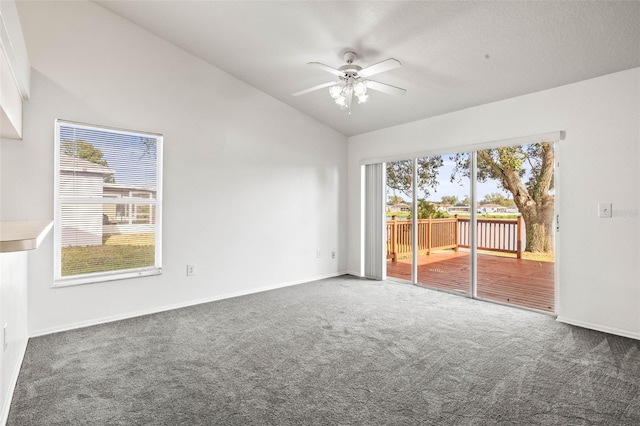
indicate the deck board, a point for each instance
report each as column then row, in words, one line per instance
column 519, row 282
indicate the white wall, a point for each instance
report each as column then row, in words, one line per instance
column 13, row 314
column 599, row 259
column 14, row 71
column 251, row 187
column 13, row 44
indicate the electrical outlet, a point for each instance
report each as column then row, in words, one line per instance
column 191, row 270
column 318, row 253
column 5, row 342
column 333, row 254
column 604, row 210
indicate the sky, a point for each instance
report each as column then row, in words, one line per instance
column 446, row 187
column 127, row 154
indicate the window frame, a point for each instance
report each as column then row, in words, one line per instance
column 96, row 277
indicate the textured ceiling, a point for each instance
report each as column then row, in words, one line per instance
column 454, row 54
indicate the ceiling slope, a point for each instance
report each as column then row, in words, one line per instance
column 455, row 55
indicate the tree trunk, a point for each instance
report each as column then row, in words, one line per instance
column 534, row 203
column 538, row 221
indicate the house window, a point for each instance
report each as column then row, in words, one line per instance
column 108, row 203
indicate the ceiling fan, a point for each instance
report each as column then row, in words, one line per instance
column 353, row 81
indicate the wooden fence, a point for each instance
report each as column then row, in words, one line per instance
column 502, row 235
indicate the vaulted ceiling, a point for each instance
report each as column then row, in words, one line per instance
column 455, row 55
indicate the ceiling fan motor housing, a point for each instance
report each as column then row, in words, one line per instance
column 349, row 56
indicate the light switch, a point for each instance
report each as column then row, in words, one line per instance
column 604, row 210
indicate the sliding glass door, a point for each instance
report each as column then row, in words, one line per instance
column 443, row 207
column 515, row 225
column 478, row 223
column 399, row 223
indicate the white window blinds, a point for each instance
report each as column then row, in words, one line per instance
column 375, row 227
column 108, row 197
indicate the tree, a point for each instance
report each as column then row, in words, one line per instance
column 399, row 175
column 394, row 200
column 510, row 166
column 497, row 198
column 426, row 209
column 86, row 151
column 451, row 200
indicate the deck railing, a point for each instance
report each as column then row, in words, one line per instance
column 502, row 235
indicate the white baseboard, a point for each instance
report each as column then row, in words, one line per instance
column 598, row 327
column 6, row 404
column 120, row 317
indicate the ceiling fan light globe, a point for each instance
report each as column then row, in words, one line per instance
column 335, row 91
column 341, row 100
column 362, row 98
column 360, row 88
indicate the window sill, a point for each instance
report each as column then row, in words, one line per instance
column 105, row 276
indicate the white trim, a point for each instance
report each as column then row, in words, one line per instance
column 598, row 327
column 473, row 224
column 363, row 208
column 414, row 221
column 354, row 273
column 159, row 309
column 524, row 140
column 158, row 198
column 88, row 126
column 13, row 381
column 98, row 277
column 557, row 237
column 110, row 200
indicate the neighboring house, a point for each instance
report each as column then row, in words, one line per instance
column 400, row 207
column 127, row 218
column 86, row 224
column 127, row 213
column 81, row 223
column 492, row 208
column 459, row 208
column 497, row 209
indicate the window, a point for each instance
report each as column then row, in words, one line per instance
column 108, row 199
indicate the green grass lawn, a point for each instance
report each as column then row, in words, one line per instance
column 115, row 254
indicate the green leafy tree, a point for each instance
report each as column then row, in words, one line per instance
column 86, row 151
column 395, row 200
column 497, row 198
column 450, row 200
column 427, row 208
column 399, row 175
column 525, row 171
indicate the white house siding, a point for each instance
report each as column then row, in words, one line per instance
column 81, row 223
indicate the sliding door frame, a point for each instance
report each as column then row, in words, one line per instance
column 473, row 224
column 556, row 137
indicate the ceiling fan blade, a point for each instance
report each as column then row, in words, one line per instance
column 318, row 87
column 386, row 65
column 385, row 88
column 327, row 68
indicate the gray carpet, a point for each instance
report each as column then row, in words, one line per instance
column 341, row 351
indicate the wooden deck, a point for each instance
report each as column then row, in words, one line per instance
column 519, row 282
